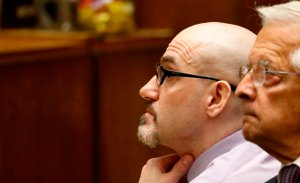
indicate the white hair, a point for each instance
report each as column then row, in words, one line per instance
column 289, row 11
column 295, row 59
column 286, row 13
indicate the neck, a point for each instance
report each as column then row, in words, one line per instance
column 203, row 142
column 283, row 152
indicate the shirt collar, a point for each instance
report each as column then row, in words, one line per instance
column 296, row 162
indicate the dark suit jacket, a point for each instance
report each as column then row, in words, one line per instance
column 273, row 180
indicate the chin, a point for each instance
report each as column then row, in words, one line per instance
column 148, row 135
column 253, row 135
column 249, row 133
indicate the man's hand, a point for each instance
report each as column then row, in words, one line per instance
column 166, row 169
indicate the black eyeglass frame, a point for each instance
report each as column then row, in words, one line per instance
column 169, row 73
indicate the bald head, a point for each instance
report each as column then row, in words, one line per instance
column 188, row 108
column 222, row 47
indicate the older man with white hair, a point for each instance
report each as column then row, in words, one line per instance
column 270, row 89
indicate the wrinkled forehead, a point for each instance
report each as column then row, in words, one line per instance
column 275, row 42
column 180, row 50
column 185, row 47
column 286, row 34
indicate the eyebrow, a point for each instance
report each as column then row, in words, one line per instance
column 167, row 59
column 264, row 63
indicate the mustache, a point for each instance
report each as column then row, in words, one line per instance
column 150, row 110
column 143, row 120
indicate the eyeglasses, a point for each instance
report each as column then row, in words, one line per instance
column 259, row 72
column 162, row 73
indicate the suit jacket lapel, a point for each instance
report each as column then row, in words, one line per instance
column 273, row 180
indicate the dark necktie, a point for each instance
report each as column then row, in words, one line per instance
column 290, row 174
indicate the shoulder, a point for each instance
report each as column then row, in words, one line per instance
column 256, row 164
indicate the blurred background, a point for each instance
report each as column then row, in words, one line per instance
column 70, row 72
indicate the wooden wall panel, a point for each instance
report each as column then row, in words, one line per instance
column 46, row 122
column 178, row 14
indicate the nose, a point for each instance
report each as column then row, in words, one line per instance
column 246, row 89
column 150, row 90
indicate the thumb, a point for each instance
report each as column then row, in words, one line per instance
column 182, row 166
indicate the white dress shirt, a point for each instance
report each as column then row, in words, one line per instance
column 233, row 160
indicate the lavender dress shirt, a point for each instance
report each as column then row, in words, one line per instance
column 233, row 160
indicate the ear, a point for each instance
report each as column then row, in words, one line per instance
column 218, row 98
